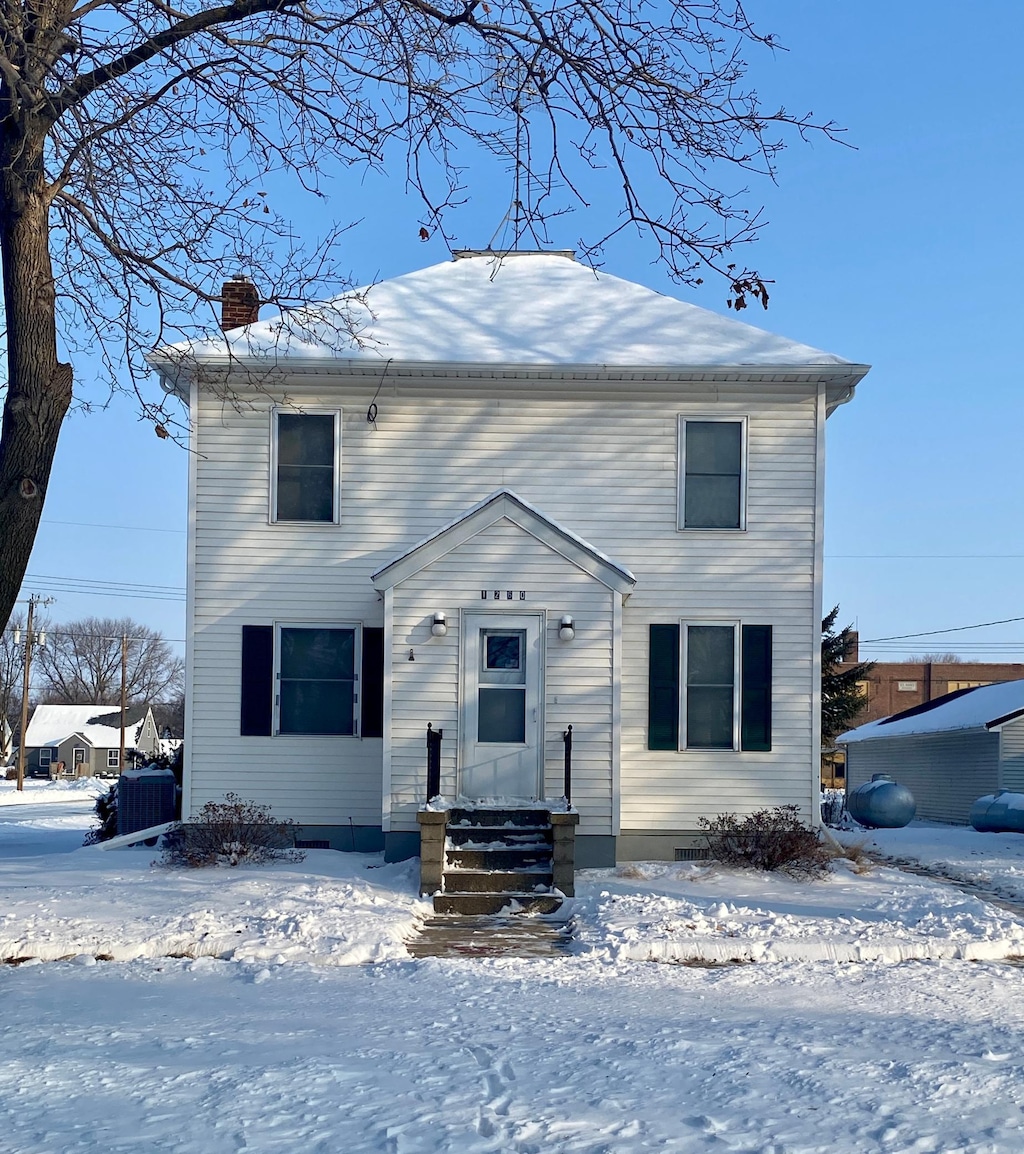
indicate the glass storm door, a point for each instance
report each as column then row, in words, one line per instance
column 501, row 723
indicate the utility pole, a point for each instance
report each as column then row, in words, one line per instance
column 124, row 694
column 30, row 640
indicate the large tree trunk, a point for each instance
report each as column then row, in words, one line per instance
column 38, row 385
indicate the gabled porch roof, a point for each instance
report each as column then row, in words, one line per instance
column 506, row 504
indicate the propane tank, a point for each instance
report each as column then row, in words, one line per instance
column 999, row 812
column 881, row 803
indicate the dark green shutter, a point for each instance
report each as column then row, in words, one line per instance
column 257, row 680
column 372, row 691
column 756, row 692
column 663, row 700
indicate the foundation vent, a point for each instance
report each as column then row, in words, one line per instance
column 692, row 853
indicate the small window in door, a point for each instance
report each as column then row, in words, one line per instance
column 501, row 717
column 503, row 651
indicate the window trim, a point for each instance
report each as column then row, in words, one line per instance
column 717, row 418
column 737, row 682
column 45, row 755
column 357, row 668
column 114, row 758
column 304, row 411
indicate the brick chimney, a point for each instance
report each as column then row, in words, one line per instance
column 239, row 303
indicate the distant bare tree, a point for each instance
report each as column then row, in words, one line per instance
column 937, row 659
column 169, row 715
column 11, row 672
column 148, row 147
column 81, row 664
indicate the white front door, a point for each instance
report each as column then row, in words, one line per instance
column 501, row 706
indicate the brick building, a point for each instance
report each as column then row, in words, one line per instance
column 893, row 686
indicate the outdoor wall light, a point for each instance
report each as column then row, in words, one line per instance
column 566, row 628
column 439, row 627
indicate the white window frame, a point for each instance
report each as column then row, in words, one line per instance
column 737, row 680
column 716, row 418
column 113, row 759
column 305, row 412
column 45, row 756
column 357, row 663
column 75, row 759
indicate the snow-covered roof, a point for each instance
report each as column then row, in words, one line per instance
column 983, row 707
column 533, row 308
column 52, row 724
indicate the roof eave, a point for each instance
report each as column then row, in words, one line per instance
column 177, row 371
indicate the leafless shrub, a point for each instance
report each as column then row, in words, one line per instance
column 231, row 832
column 770, row 839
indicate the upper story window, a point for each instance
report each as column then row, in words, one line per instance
column 306, row 466
column 712, row 481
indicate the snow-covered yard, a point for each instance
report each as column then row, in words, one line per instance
column 270, row 1037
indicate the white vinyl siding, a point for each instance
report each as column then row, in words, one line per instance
column 577, row 687
column 604, row 466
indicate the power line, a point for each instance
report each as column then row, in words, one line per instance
column 935, row 632
column 98, row 525
column 96, row 587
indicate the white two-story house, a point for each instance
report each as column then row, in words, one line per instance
column 523, row 496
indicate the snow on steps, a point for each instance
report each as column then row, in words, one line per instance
column 498, row 860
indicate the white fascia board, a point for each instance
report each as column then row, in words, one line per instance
column 504, row 504
column 842, row 376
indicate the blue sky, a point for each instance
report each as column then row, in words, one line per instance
column 905, row 252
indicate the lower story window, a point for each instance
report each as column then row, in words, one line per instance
column 317, row 680
column 113, row 759
column 45, row 756
column 710, row 686
column 709, row 659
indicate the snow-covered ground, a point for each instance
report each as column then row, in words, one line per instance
column 269, row 1038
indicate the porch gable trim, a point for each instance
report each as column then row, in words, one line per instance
column 504, row 504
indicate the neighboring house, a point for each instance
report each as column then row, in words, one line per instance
column 947, row 752
column 527, row 496
column 86, row 739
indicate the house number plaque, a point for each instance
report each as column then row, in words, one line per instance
column 502, row 594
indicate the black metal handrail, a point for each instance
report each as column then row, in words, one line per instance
column 433, row 761
column 567, row 740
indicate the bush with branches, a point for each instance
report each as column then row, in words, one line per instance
column 231, row 832
column 770, row 839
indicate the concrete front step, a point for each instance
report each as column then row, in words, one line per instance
column 484, row 836
column 496, row 881
column 498, row 858
column 498, row 817
column 490, row 903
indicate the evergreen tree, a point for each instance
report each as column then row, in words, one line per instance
column 841, row 697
